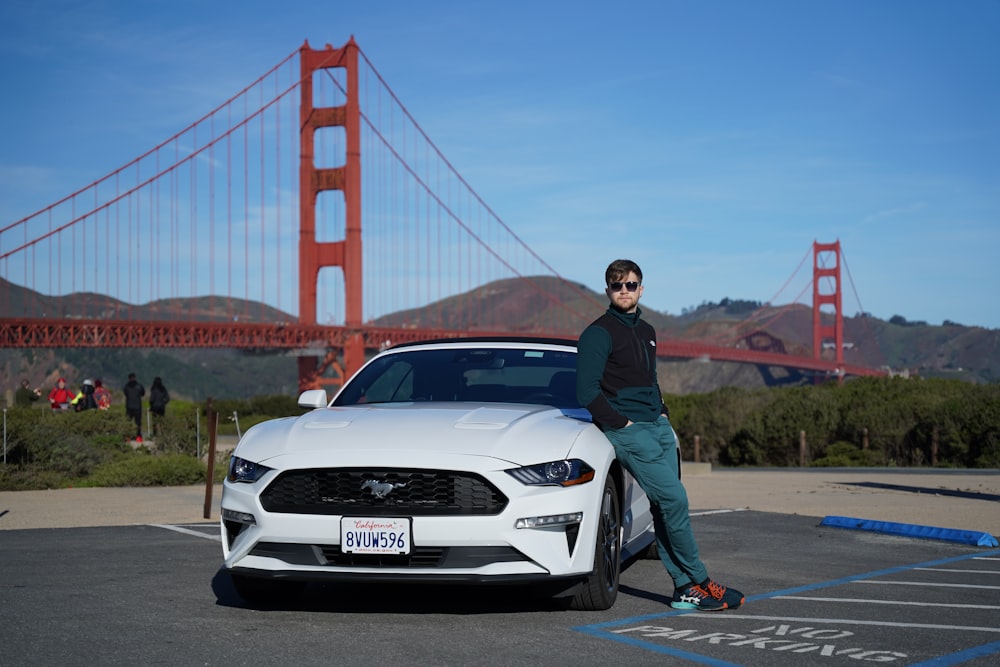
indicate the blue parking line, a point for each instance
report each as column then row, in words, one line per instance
column 600, row 629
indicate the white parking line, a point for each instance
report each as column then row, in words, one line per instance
column 941, row 569
column 842, row 621
column 923, row 583
column 708, row 512
column 187, row 531
column 892, row 602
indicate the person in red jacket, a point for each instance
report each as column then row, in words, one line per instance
column 60, row 397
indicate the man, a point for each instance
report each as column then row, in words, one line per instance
column 616, row 381
column 25, row 395
column 133, row 403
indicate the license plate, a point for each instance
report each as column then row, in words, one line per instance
column 374, row 535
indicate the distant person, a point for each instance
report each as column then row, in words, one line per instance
column 101, row 395
column 85, row 400
column 25, row 395
column 158, row 399
column 60, row 397
column 133, row 403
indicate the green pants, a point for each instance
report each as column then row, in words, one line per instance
column 648, row 450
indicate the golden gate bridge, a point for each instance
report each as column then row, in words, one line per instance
column 312, row 191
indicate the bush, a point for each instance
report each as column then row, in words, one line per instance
column 168, row 470
column 67, row 443
column 904, row 422
column 175, row 433
column 15, row 478
column 92, row 448
column 742, row 450
column 846, row 455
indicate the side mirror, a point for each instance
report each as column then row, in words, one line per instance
column 313, row 398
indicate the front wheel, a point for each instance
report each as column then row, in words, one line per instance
column 601, row 588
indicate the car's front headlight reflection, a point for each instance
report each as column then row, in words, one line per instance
column 559, row 473
column 242, row 470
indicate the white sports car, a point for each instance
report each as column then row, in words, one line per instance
column 455, row 461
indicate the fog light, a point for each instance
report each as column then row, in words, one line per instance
column 548, row 521
column 239, row 517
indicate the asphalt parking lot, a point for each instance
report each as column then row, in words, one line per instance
column 153, row 594
column 940, row 611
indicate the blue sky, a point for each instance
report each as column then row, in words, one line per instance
column 711, row 141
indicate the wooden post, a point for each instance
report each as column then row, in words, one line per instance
column 864, row 438
column 697, row 449
column 212, row 422
column 802, row 449
column 934, row 446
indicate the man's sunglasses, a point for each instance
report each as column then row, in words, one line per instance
column 631, row 286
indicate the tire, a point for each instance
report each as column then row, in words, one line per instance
column 266, row 591
column 600, row 590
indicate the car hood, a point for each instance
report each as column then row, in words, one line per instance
column 514, row 433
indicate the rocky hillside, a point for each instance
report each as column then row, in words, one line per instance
column 967, row 353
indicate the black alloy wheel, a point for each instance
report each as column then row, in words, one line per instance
column 600, row 590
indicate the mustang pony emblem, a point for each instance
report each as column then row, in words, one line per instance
column 381, row 489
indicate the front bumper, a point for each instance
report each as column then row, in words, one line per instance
column 454, row 548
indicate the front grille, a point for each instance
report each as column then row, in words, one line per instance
column 406, row 492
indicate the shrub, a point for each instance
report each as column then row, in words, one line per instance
column 175, row 434
column 846, row 455
column 168, row 470
column 66, row 443
column 904, row 422
column 742, row 450
column 16, row 478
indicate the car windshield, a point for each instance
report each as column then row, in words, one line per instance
column 481, row 374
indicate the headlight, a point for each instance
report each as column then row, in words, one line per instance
column 241, row 470
column 560, row 473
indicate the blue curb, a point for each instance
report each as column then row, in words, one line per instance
column 910, row 530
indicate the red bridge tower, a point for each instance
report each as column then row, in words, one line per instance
column 824, row 332
column 346, row 253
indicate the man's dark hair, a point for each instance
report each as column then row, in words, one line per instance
column 618, row 269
